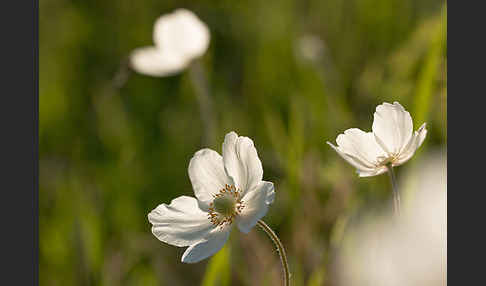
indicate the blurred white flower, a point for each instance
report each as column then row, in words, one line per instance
column 228, row 189
column 383, row 251
column 392, row 141
column 310, row 47
column 179, row 38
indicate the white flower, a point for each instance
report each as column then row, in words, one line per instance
column 392, row 141
column 229, row 189
column 310, row 47
column 381, row 251
column 179, row 38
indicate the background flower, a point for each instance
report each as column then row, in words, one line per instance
column 179, row 38
column 411, row 251
column 392, row 141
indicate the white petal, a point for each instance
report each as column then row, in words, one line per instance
column 207, row 175
column 181, row 223
column 255, row 206
column 241, row 161
column 360, row 146
column 182, row 32
column 270, row 195
column 207, row 247
column 378, row 171
column 415, row 142
column 151, row 61
column 361, row 167
column 392, row 126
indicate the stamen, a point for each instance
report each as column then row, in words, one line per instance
column 226, row 205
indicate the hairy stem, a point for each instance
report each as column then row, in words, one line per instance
column 396, row 195
column 280, row 249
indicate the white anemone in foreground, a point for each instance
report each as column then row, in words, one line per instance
column 229, row 190
column 378, row 250
column 179, row 38
column 391, row 142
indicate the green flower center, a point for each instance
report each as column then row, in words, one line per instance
column 226, row 205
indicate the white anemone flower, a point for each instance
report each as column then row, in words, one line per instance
column 391, row 142
column 179, row 38
column 229, row 189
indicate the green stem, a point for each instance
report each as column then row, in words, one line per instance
column 280, row 249
column 200, row 83
column 396, row 195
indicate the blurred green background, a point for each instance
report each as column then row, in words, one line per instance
column 289, row 74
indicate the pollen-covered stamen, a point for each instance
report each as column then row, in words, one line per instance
column 227, row 204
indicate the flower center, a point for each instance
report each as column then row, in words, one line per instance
column 384, row 160
column 226, row 205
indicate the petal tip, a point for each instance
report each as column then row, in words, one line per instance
column 201, row 152
column 149, row 217
column 232, row 133
column 396, row 103
column 186, row 260
column 152, row 215
column 270, row 194
column 330, row 144
column 423, row 126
